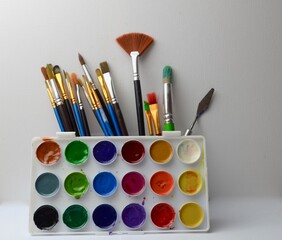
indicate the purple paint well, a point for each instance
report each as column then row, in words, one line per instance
column 134, row 216
column 105, row 152
column 133, row 183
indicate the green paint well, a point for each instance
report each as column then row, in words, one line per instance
column 76, row 184
column 76, row 152
column 75, row 216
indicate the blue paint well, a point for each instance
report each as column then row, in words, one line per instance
column 105, row 152
column 104, row 216
column 105, row 184
column 47, row 184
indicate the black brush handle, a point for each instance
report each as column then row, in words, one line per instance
column 105, row 110
column 139, row 107
column 120, row 119
column 62, row 109
column 71, row 117
column 84, row 122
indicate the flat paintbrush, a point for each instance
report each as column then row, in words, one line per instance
column 202, row 107
column 135, row 44
column 97, row 92
column 59, row 78
column 109, row 82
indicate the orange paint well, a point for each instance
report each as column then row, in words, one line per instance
column 162, row 183
column 48, row 152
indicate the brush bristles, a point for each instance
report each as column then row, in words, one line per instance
column 134, row 42
column 49, row 70
column 152, row 98
column 81, row 60
column 74, row 78
column 104, row 67
column 44, row 72
column 98, row 73
column 80, row 82
column 167, row 74
column 56, row 69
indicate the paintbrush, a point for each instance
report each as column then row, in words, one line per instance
column 109, row 82
column 148, row 118
column 154, row 109
column 202, row 107
column 59, row 78
column 107, row 97
column 93, row 105
column 56, row 112
column 82, row 114
column 52, row 85
column 98, row 94
column 135, row 44
column 167, row 99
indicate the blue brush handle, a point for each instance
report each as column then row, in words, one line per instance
column 100, row 121
column 59, row 119
column 114, row 119
column 106, row 122
column 78, row 120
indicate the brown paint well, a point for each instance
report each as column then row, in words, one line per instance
column 161, row 151
column 48, row 152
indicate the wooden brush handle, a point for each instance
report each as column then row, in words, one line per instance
column 139, row 107
column 84, row 122
column 120, row 119
column 71, row 117
column 64, row 117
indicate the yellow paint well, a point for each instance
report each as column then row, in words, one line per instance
column 191, row 215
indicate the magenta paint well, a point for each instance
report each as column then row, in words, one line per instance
column 134, row 216
column 133, row 183
column 105, row 152
column 133, row 152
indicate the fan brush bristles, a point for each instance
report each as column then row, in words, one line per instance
column 135, row 42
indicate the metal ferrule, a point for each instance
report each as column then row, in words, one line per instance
column 50, row 95
column 78, row 96
column 104, row 89
column 61, row 85
column 110, row 86
column 168, row 117
column 134, row 59
column 54, row 91
column 88, row 76
column 88, row 97
column 96, row 100
column 70, row 89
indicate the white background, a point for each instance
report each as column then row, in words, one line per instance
column 232, row 46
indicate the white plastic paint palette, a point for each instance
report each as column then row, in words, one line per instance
column 119, row 185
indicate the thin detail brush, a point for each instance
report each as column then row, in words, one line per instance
column 153, row 104
column 91, row 81
column 107, row 97
column 167, row 99
column 56, row 112
column 81, row 107
column 135, row 44
column 149, row 118
column 60, row 81
column 93, row 105
column 52, row 84
column 109, row 82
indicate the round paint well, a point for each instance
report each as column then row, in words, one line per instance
column 191, row 215
column 134, row 216
column 47, row 184
column 48, row 152
column 190, row 182
column 161, row 151
column 75, row 216
column 163, row 215
column 105, row 152
column 76, row 184
column 162, row 183
column 133, row 183
column 105, row 184
column 45, row 217
column 133, row 152
column 104, row 216
column 188, row 151
column 76, row 152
